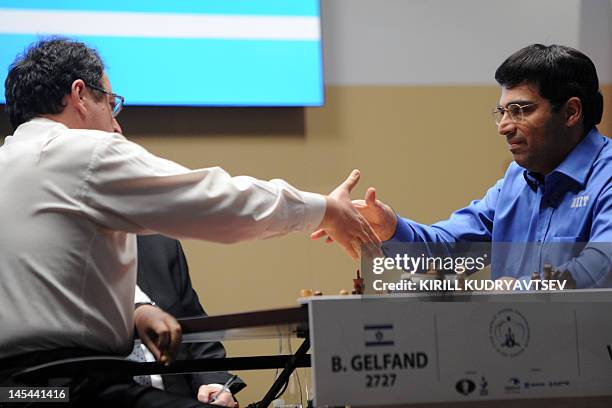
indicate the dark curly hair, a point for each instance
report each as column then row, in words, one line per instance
column 39, row 78
column 560, row 72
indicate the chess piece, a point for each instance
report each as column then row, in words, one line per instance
column 344, row 292
column 536, row 276
column 461, row 281
column 437, row 274
column 317, row 293
column 547, row 271
column 358, row 284
column 305, row 293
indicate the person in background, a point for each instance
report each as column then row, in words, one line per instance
column 163, row 275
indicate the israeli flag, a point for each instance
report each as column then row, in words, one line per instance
column 378, row 335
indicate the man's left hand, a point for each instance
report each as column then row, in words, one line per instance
column 159, row 331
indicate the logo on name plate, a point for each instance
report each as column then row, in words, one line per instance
column 509, row 332
column 465, row 386
column 513, row 386
column 483, row 387
column 377, row 335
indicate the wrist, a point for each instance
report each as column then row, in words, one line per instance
column 330, row 210
column 143, row 309
column 392, row 226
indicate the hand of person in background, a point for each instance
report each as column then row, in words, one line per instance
column 159, row 331
column 224, row 398
column 343, row 223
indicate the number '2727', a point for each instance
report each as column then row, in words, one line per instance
column 380, row 380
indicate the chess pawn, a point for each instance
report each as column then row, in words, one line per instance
column 358, row 284
column 536, row 276
column 438, row 274
column 461, row 281
column 304, row 293
column 547, row 271
column 432, row 271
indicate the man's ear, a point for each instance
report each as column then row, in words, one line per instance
column 117, row 127
column 573, row 111
column 76, row 98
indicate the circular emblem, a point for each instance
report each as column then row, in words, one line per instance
column 465, row 386
column 509, row 332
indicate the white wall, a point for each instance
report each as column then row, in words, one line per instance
column 596, row 35
column 414, row 42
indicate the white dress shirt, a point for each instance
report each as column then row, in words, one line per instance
column 71, row 202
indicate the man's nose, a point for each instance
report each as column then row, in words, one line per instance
column 506, row 125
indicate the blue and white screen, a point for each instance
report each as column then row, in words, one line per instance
column 184, row 52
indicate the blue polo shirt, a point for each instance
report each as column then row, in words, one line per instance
column 566, row 217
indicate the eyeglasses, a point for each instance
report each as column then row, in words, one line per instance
column 118, row 100
column 516, row 112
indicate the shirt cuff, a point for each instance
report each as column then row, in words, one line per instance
column 403, row 231
column 315, row 210
column 140, row 296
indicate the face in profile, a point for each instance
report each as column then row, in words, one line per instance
column 535, row 135
column 100, row 109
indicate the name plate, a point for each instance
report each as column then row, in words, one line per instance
column 386, row 350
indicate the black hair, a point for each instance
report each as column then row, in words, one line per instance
column 560, row 72
column 39, row 78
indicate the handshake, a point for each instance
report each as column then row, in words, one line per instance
column 356, row 225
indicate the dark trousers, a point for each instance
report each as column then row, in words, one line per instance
column 90, row 391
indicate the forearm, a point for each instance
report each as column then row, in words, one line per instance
column 129, row 189
column 592, row 268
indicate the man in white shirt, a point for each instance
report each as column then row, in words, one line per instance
column 74, row 194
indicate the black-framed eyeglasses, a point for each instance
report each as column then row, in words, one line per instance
column 516, row 112
column 118, row 100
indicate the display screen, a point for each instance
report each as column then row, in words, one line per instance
column 184, row 52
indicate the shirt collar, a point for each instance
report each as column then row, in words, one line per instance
column 533, row 179
column 37, row 121
column 576, row 165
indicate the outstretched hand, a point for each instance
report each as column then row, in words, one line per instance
column 379, row 215
column 159, row 331
column 343, row 223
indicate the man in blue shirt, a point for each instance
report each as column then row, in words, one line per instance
column 556, row 195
